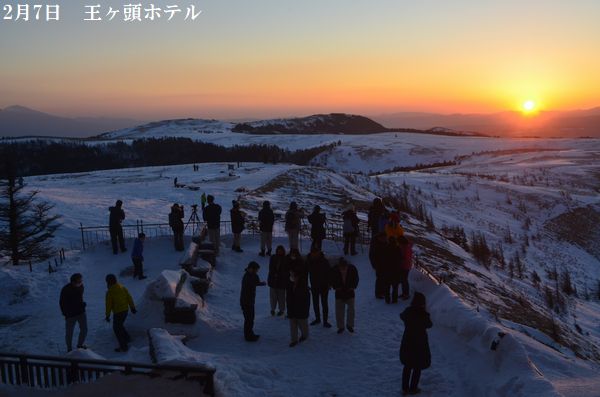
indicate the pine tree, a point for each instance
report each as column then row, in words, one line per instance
column 27, row 227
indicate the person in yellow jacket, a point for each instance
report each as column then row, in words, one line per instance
column 393, row 228
column 118, row 301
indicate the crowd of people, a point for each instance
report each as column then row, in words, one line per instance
column 292, row 278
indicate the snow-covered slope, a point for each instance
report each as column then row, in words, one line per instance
column 530, row 199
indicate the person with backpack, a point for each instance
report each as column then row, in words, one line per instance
column 293, row 218
column 317, row 231
column 350, row 229
column 116, row 217
column 415, row 354
column 266, row 219
column 211, row 214
column 319, row 272
column 377, row 217
column 378, row 256
column 279, row 273
column 119, row 302
column 238, row 222
column 176, row 223
column 137, row 256
column 406, row 248
column 72, row 307
column 247, row 299
column 393, row 228
column 298, row 303
column 344, row 280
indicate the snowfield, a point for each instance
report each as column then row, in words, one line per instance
column 534, row 198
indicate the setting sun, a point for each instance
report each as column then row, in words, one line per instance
column 529, row 106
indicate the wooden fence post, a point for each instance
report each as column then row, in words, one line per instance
column 82, row 237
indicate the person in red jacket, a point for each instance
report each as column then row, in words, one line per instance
column 407, row 260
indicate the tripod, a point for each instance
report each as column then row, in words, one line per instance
column 194, row 220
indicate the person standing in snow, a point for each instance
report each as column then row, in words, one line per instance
column 407, row 260
column 298, row 302
column 350, row 229
column 116, row 217
column 247, row 299
column 414, row 349
column 344, row 280
column 378, row 257
column 392, row 270
column 377, row 217
column 212, row 216
column 176, row 222
column 293, row 219
column 203, row 200
column 393, row 228
column 72, row 307
column 137, row 256
column 317, row 231
column 266, row 219
column 279, row 273
column 319, row 272
column 237, row 225
column 119, row 302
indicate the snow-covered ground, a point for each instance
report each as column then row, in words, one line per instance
column 541, row 194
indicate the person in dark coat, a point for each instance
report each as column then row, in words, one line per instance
column 350, row 229
column 392, row 270
column 137, row 256
column 116, row 217
column 211, row 214
column 238, row 222
column 296, row 262
column 176, row 222
column 377, row 256
column 319, row 272
column 72, row 307
column 298, row 301
column 344, row 280
column 247, row 298
column 279, row 274
column 317, row 231
column 377, row 217
column 266, row 219
column 407, row 259
column 414, row 349
column 293, row 220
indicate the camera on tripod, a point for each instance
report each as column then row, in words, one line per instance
column 195, row 207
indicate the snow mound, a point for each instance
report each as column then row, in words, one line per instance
column 14, row 290
column 173, row 284
column 84, row 354
column 169, row 349
column 506, row 369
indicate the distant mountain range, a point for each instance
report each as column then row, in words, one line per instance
column 18, row 121
column 21, row 121
column 575, row 123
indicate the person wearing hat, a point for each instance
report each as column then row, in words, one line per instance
column 247, row 298
column 237, row 225
column 317, row 230
column 266, row 219
column 393, row 228
column 116, row 217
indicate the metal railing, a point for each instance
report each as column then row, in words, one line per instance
column 55, row 372
column 93, row 235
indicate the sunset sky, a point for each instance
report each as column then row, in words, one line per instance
column 266, row 58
